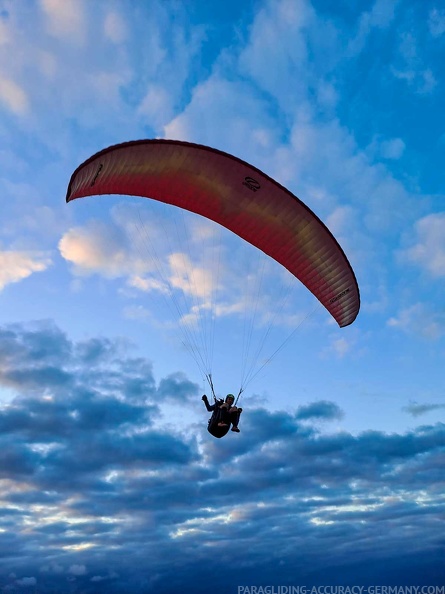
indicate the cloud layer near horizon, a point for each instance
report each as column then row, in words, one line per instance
column 92, row 474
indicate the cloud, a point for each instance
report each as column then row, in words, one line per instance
column 416, row 410
column 115, row 27
column 18, row 265
column 194, row 271
column 5, row 36
column 149, row 253
column 340, row 347
column 132, row 244
column 340, row 220
column 411, row 66
column 429, row 251
column 423, row 81
column 380, row 16
column 177, row 387
column 322, row 410
column 389, row 149
column 27, row 581
column 99, row 248
column 77, row 570
column 157, row 106
column 52, row 568
column 91, row 485
column 420, row 319
column 271, row 63
column 100, row 578
column 436, row 22
column 142, row 256
column 65, row 18
column 213, row 103
column 54, row 40
column 190, row 279
column 392, row 149
column 13, row 96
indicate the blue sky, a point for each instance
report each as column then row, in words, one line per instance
column 109, row 481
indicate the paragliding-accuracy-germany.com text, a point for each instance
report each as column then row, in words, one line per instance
column 341, row 589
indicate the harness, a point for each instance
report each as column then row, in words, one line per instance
column 213, row 428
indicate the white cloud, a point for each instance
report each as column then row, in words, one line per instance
column 429, row 251
column 157, row 105
column 197, row 279
column 192, row 279
column 327, row 95
column 341, row 220
column 100, row 249
column 65, row 18
column 420, row 319
column 16, row 266
column 108, row 84
column 277, row 51
column 145, row 253
column 341, row 346
column 380, row 16
column 27, row 581
column 148, row 284
column 52, row 47
column 436, row 22
column 229, row 111
column 13, row 96
column 115, row 28
column 5, row 34
column 77, row 569
column 412, row 69
column 392, row 149
column 137, row 312
column 47, row 62
column 326, row 155
column 422, row 80
column 408, row 47
column 203, row 230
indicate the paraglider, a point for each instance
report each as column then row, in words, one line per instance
column 225, row 414
column 235, row 195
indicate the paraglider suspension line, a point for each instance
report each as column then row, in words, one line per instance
column 209, row 379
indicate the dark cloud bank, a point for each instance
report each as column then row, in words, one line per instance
column 99, row 496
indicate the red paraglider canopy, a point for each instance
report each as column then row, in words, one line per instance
column 236, row 195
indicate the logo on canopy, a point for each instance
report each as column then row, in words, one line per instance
column 251, row 183
column 97, row 174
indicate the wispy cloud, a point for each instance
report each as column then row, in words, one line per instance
column 436, row 22
column 429, row 250
column 416, row 410
column 411, row 66
column 13, row 96
column 18, row 265
column 65, row 18
column 380, row 16
column 420, row 319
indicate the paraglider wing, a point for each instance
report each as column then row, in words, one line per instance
column 236, row 195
